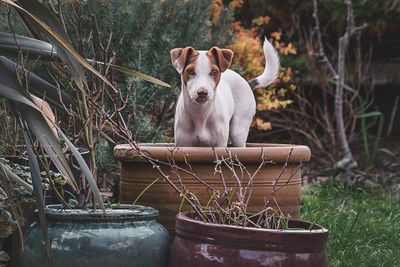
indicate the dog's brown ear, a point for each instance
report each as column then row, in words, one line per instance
column 223, row 57
column 180, row 57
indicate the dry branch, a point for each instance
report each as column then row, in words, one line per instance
column 347, row 162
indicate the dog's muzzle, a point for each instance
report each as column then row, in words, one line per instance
column 202, row 96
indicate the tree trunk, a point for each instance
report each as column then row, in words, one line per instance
column 347, row 162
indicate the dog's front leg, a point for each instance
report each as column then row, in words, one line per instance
column 183, row 134
column 239, row 130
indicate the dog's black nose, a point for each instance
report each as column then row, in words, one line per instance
column 202, row 94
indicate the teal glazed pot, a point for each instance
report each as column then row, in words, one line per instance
column 124, row 236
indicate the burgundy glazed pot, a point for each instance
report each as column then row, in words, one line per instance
column 199, row 244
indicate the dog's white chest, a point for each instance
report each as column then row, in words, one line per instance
column 202, row 138
column 209, row 137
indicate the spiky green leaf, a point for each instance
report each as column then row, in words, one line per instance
column 37, row 85
column 43, row 21
column 11, row 45
column 38, row 191
column 86, row 171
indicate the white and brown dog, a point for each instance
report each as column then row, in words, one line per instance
column 215, row 102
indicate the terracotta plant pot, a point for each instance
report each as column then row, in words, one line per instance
column 200, row 244
column 137, row 174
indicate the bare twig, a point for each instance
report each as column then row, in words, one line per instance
column 321, row 52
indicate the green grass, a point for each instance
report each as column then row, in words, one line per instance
column 364, row 226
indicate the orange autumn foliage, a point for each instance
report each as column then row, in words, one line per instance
column 249, row 57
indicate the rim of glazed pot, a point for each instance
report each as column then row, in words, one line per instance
column 301, row 241
column 251, row 153
column 122, row 212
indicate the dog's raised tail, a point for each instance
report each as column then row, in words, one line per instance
column 271, row 67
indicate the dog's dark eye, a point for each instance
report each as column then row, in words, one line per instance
column 190, row 71
column 214, row 73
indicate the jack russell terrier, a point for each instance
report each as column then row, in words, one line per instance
column 216, row 103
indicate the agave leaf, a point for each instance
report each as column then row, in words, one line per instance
column 36, row 14
column 140, row 75
column 37, row 48
column 39, row 127
column 37, row 85
column 369, row 114
column 38, row 191
column 14, row 95
column 10, row 79
column 133, row 73
column 10, row 45
column 387, row 151
column 86, row 171
column 12, row 90
column 40, row 12
column 13, row 177
column 44, row 89
column 345, row 86
column 46, row 51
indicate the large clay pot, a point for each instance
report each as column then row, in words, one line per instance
column 199, row 244
column 137, row 174
column 124, row 236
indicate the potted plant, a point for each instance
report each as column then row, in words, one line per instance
column 221, row 231
column 125, row 235
column 196, row 169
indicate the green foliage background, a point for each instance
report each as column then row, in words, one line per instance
column 143, row 33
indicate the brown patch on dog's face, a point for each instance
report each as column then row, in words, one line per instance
column 189, row 70
column 220, row 57
column 215, row 72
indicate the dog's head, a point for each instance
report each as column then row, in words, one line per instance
column 201, row 70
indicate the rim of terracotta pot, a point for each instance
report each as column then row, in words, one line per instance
column 253, row 152
column 123, row 212
column 301, row 241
